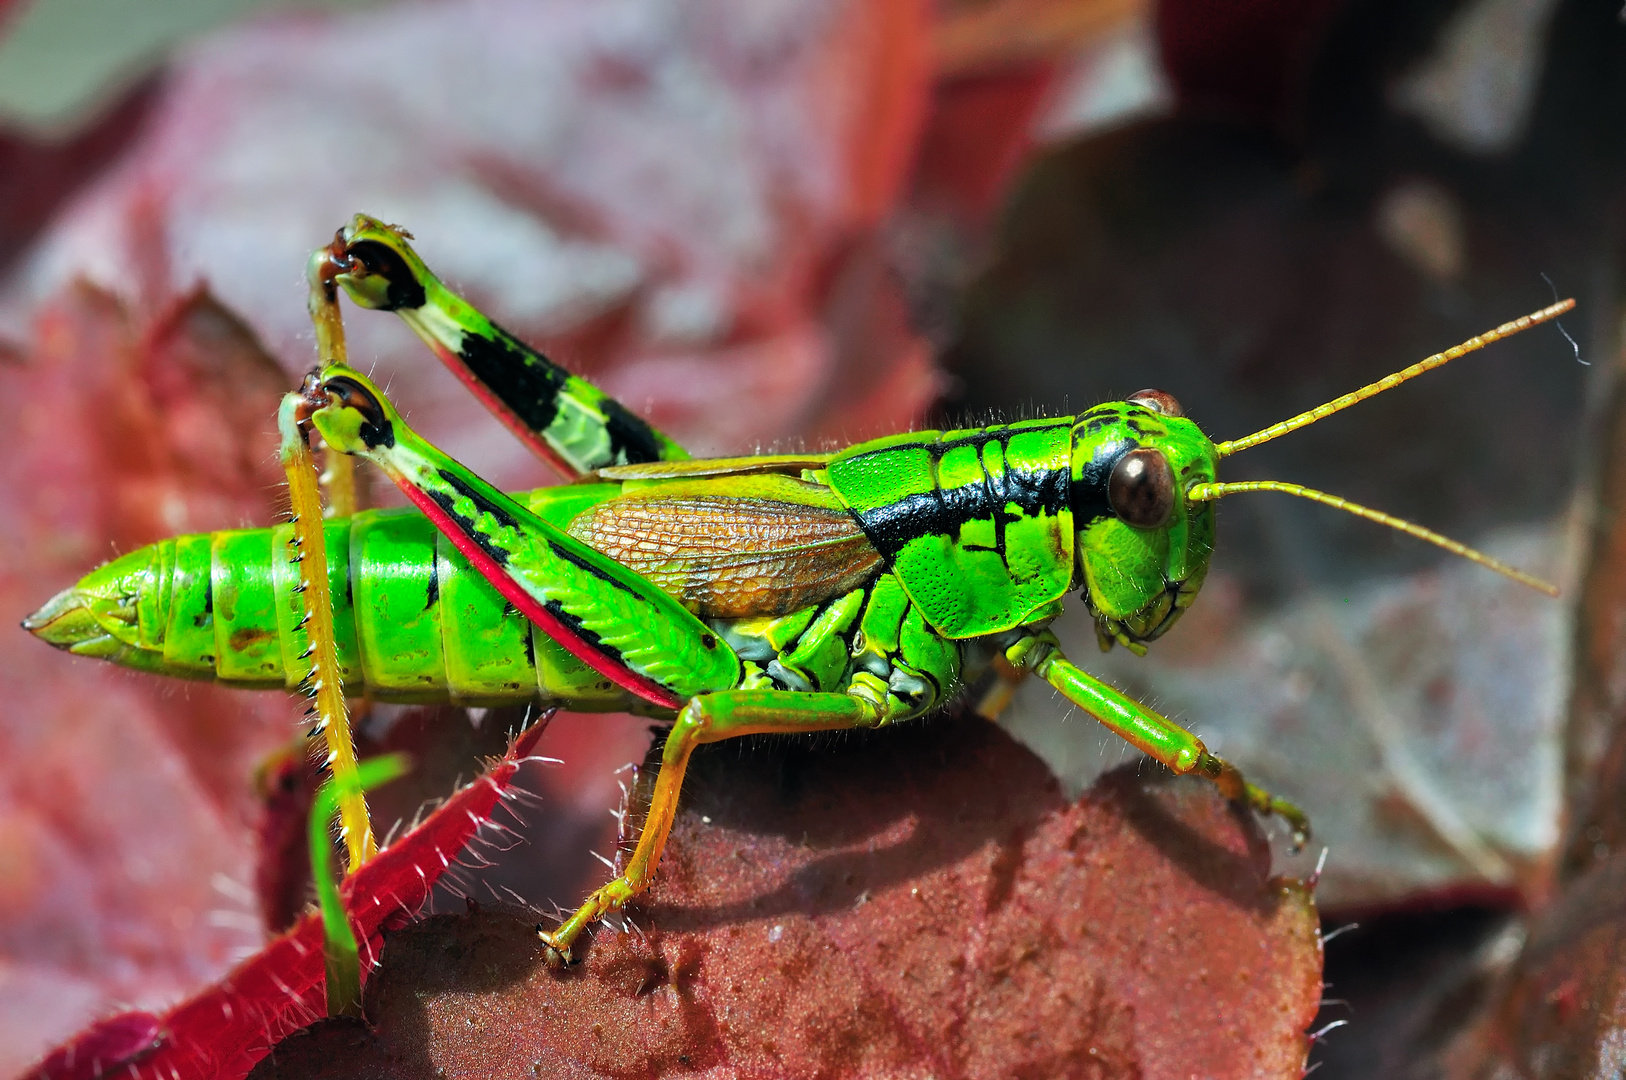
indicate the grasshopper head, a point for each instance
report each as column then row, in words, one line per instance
column 112, row 613
column 1143, row 477
column 1142, row 546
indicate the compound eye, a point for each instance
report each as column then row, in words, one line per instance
column 1158, row 401
column 1141, row 488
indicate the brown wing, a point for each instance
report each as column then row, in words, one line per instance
column 735, row 547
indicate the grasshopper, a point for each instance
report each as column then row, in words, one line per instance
column 783, row 593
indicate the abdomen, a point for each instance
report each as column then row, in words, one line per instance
column 413, row 621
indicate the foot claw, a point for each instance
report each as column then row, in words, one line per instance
column 553, row 955
column 1264, row 802
column 1296, row 822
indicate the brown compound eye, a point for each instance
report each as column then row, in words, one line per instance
column 1141, row 488
column 1158, row 401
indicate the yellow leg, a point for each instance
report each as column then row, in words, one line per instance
column 308, row 549
column 709, row 718
column 339, row 470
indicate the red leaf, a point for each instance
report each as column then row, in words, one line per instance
column 124, row 803
column 223, row 1031
column 759, row 304
column 919, row 902
column 105, row 1047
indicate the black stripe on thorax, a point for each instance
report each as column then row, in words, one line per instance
column 943, row 511
column 1089, row 492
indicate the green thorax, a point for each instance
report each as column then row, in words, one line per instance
column 988, row 528
column 975, row 523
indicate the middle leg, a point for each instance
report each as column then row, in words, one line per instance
column 707, row 718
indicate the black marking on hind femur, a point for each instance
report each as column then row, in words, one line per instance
column 530, row 637
column 404, row 291
column 588, row 636
column 944, row 511
column 632, row 440
column 433, row 591
column 1089, row 491
column 465, row 525
column 566, row 555
column 524, row 380
column 483, row 502
column 375, row 429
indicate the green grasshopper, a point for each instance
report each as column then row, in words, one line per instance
column 782, row 593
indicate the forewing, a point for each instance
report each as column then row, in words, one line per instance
column 737, row 547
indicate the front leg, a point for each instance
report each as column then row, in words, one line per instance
column 707, row 718
column 1148, row 732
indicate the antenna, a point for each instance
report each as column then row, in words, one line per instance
column 1389, row 382
column 1210, row 492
